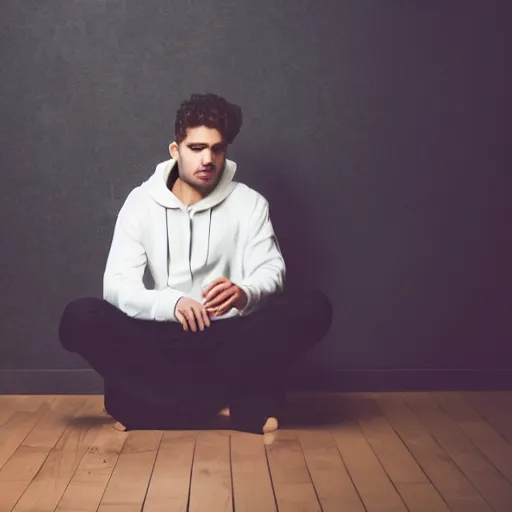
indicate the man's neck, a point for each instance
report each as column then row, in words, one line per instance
column 185, row 193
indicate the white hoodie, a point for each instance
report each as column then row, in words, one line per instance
column 226, row 234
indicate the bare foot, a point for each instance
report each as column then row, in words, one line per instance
column 271, row 425
column 224, row 412
column 119, row 426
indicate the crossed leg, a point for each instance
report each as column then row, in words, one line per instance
column 158, row 376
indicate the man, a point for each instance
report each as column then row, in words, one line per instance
column 217, row 329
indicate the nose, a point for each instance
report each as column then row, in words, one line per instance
column 207, row 157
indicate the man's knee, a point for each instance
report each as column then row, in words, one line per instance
column 310, row 310
column 78, row 320
column 317, row 310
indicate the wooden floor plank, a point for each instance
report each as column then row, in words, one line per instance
column 48, row 486
column 170, row 484
column 53, row 424
column 450, row 482
column 370, row 479
column 416, row 490
column 293, row 487
column 387, row 445
column 17, row 474
column 33, row 402
column 483, row 435
column 330, row 477
column 128, row 485
column 252, row 485
column 8, row 406
column 211, row 487
column 505, row 397
column 420, row 497
column 496, row 411
column 375, row 452
column 491, row 484
column 16, row 428
column 90, row 480
column 22, row 467
column 25, row 402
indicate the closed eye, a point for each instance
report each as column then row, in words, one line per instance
column 217, row 149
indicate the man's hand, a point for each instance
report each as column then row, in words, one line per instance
column 222, row 295
column 191, row 314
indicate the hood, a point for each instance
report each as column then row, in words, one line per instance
column 156, row 187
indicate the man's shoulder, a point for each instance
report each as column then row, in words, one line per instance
column 246, row 194
column 137, row 204
column 134, row 197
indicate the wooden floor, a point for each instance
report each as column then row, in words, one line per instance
column 336, row 452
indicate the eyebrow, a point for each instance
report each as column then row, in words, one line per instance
column 203, row 144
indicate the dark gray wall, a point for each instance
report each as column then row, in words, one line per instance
column 376, row 129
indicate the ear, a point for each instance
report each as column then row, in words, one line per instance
column 173, row 150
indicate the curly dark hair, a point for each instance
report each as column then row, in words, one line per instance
column 208, row 110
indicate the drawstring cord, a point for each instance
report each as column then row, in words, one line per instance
column 208, row 239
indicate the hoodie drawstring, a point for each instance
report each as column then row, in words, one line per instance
column 167, row 236
column 207, row 252
column 208, row 238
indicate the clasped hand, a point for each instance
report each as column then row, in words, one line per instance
column 219, row 297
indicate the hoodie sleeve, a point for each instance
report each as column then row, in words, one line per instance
column 123, row 278
column 263, row 264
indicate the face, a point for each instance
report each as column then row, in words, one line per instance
column 200, row 156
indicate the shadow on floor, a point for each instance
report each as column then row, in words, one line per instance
column 321, row 409
column 303, row 410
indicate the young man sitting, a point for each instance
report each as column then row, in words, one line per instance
column 217, row 329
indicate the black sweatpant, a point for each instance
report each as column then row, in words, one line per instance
column 158, row 376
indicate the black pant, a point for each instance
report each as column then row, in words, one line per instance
column 158, row 376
